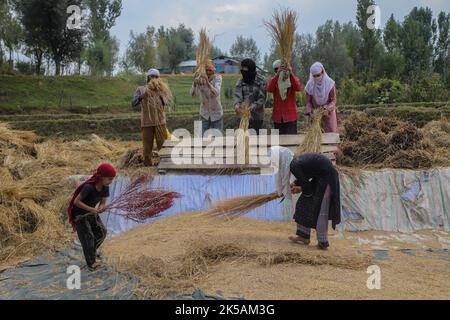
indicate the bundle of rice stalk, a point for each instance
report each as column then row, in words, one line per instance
column 242, row 135
column 21, row 140
column 282, row 29
column 240, row 206
column 313, row 137
column 158, row 87
column 202, row 55
column 41, row 186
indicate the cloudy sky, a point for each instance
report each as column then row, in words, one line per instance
column 226, row 19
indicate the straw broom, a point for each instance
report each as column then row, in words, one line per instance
column 313, row 138
column 239, row 206
column 139, row 205
column 282, row 29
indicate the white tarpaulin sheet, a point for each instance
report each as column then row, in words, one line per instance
column 389, row 200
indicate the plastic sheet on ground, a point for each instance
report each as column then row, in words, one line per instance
column 46, row 278
column 387, row 200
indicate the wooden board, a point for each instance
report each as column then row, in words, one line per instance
column 288, row 140
column 196, row 152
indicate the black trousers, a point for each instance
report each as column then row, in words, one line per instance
column 286, row 128
column 91, row 232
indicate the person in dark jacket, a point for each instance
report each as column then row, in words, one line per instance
column 320, row 198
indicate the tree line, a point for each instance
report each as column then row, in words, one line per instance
column 410, row 52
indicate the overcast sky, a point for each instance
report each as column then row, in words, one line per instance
column 226, row 19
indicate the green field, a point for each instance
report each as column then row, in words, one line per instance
column 78, row 94
column 76, row 106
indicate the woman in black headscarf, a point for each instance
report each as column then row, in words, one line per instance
column 320, row 198
column 251, row 88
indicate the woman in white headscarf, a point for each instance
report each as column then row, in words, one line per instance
column 321, row 95
column 313, row 175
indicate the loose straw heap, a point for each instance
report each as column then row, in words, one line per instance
column 202, row 55
column 139, row 205
column 240, row 206
column 313, row 138
column 282, row 29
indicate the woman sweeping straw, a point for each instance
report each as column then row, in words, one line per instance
column 320, row 198
column 317, row 180
column 321, row 95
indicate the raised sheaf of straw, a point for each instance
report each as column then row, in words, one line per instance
column 282, row 28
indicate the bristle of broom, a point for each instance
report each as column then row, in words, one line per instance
column 282, row 28
column 239, row 206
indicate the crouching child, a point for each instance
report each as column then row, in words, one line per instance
column 88, row 202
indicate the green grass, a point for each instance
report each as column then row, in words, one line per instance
column 79, row 94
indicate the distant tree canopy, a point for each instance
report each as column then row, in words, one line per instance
column 411, row 52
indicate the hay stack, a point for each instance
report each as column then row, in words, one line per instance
column 282, row 30
column 437, row 133
column 390, row 142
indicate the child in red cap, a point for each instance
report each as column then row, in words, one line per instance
column 84, row 214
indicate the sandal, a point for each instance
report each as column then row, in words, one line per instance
column 95, row 266
column 300, row 240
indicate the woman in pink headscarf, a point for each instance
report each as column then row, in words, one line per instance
column 321, row 95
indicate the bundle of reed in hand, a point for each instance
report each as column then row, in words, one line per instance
column 159, row 88
column 282, row 29
column 202, row 56
column 240, row 206
column 313, row 137
column 138, row 204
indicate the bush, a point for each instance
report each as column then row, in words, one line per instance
column 386, row 91
column 351, row 91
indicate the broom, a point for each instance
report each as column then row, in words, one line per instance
column 139, row 205
column 313, row 138
column 239, row 206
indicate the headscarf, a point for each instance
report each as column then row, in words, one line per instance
column 210, row 65
column 105, row 170
column 276, row 64
column 281, row 159
column 250, row 75
column 320, row 87
column 153, row 73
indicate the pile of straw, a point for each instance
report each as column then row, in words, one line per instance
column 235, row 207
column 202, row 56
column 282, row 29
column 35, row 188
column 389, row 142
column 313, row 137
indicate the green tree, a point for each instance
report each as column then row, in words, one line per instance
column 331, row 50
column 417, row 41
column 49, row 19
column 102, row 17
column 141, row 51
column 10, row 32
column 442, row 51
column 245, row 48
column 174, row 46
column 392, row 63
column 369, row 49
